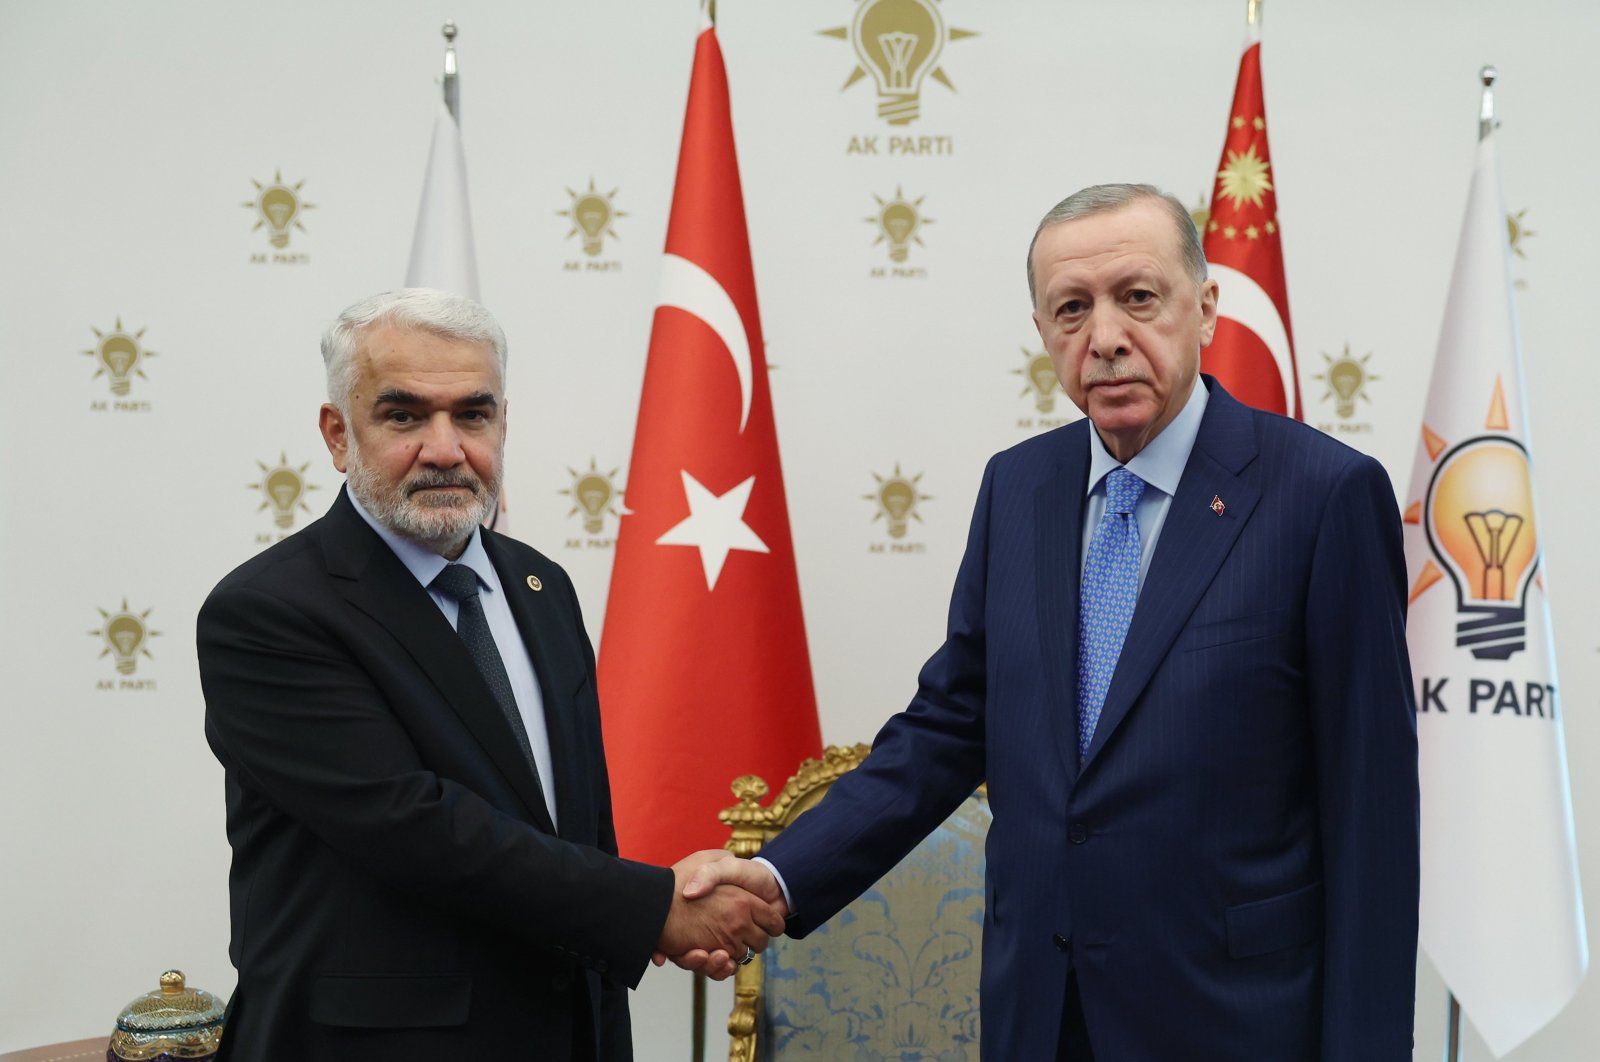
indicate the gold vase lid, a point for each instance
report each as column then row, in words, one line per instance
column 175, row 1020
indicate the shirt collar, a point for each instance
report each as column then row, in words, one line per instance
column 424, row 564
column 1160, row 464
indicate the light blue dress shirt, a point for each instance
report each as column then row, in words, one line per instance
column 426, row 565
column 1160, row 464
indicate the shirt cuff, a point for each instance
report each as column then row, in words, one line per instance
column 787, row 899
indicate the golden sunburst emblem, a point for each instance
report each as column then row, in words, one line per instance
column 898, row 42
column 119, row 354
column 278, row 206
column 594, row 493
column 283, row 489
column 1346, row 378
column 897, row 498
column 592, row 214
column 1245, row 175
column 1042, row 383
column 125, row 635
column 898, row 221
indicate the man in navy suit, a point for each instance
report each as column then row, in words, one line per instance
column 1176, row 654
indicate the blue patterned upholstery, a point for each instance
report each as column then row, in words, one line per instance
column 894, row 976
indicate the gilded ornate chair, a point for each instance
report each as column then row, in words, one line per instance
column 894, row 976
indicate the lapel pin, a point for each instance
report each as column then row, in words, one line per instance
column 1216, row 504
column 534, row 583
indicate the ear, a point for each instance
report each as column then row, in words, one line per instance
column 1039, row 326
column 1208, row 312
column 336, row 434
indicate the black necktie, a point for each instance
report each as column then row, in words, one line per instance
column 460, row 583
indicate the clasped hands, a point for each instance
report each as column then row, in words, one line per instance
column 721, row 906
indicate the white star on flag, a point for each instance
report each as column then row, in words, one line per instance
column 715, row 525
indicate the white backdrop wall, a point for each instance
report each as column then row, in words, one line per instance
column 130, row 138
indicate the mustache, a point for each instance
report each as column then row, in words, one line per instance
column 1113, row 373
column 441, row 478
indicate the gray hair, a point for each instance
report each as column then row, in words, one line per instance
column 422, row 309
column 1102, row 198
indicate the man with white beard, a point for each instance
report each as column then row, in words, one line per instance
column 424, row 864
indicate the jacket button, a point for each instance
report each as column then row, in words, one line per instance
column 1078, row 834
column 1061, row 942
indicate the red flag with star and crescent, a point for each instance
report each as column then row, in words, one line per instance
column 704, row 673
column 1253, row 351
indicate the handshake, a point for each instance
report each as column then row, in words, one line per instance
column 724, row 910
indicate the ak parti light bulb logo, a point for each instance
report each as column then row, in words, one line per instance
column 1479, row 519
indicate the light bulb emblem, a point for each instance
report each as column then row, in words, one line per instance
column 283, row 489
column 125, row 636
column 898, row 44
column 1479, row 520
column 1346, row 377
column 592, row 213
column 897, row 498
column 593, row 493
column 1040, row 373
column 899, row 221
column 278, row 207
column 119, row 355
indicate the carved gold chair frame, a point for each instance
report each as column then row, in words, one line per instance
column 753, row 826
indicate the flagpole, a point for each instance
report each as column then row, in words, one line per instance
column 452, row 81
column 1486, row 124
column 1452, row 1030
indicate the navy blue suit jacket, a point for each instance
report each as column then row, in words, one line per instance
column 1232, row 871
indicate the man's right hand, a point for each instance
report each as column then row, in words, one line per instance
column 714, row 917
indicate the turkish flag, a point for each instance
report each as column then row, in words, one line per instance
column 1253, row 351
column 704, row 673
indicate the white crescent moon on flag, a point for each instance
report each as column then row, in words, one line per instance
column 1241, row 299
column 687, row 287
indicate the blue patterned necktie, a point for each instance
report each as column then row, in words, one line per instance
column 1105, row 606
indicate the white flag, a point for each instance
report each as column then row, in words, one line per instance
column 441, row 251
column 1502, row 914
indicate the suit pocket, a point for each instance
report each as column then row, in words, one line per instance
column 1237, row 629
column 1276, row 923
column 388, row 1002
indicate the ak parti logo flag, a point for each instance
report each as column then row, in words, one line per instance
column 1502, row 905
column 1253, row 351
column 704, row 673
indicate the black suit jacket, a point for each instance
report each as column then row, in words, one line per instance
column 397, row 889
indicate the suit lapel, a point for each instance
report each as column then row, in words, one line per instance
column 539, row 620
column 372, row 579
column 1058, row 545
column 1195, row 540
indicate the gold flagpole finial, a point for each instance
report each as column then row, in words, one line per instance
column 1486, row 120
column 1252, row 15
column 711, row 11
column 452, row 83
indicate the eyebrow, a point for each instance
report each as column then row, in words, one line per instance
column 396, row 396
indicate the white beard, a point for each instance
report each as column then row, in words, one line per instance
column 441, row 522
